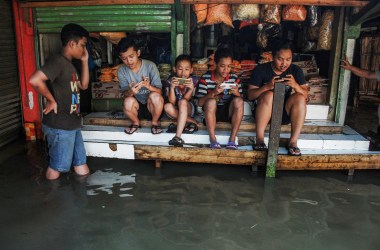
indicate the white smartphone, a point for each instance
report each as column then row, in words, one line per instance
column 228, row 85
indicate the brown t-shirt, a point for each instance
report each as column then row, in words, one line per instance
column 63, row 85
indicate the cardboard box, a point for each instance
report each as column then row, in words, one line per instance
column 101, row 90
column 308, row 67
column 317, row 94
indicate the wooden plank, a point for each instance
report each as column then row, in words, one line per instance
column 354, row 3
column 199, row 155
column 275, row 129
column 249, row 158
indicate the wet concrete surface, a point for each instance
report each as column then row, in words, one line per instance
column 130, row 205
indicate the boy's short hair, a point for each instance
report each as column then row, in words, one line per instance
column 126, row 43
column 280, row 45
column 181, row 58
column 74, row 32
column 222, row 53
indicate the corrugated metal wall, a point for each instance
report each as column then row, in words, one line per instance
column 143, row 18
column 10, row 102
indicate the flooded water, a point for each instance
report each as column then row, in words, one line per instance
column 130, row 205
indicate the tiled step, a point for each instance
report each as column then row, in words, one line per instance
column 349, row 140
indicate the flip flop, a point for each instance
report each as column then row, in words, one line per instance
column 260, row 146
column 294, row 151
column 232, row 145
column 156, row 129
column 215, row 145
column 132, row 128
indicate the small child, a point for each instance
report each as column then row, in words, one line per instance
column 180, row 105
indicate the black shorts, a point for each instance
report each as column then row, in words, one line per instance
column 222, row 113
column 143, row 112
column 285, row 116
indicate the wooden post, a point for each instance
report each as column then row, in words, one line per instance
column 275, row 129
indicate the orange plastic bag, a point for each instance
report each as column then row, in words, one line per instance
column 294, row 13
column 219, row 13
column 201, row 12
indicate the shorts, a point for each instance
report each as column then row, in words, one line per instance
column 191, row 113
column 285, row 116
column 222, row 113
column 65, row 148
column 143, row 112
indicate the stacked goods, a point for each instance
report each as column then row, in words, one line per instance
column 199, row 69
column 317, row 90
column 106, row 75
column 235, row 67
column 247, row 67
column 109, row 74
column 266, row 57
column 165, row 70
column 308, row 67
column 294, row 13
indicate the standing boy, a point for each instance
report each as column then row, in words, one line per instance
column 141, row 87
column 264, row 76
column 59, row 83
column 219, row 93
column 180, row 105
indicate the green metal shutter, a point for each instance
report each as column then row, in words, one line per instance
column 10, row 104
column 142, row 18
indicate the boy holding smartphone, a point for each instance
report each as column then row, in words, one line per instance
column 262, row 82
column 180, row 105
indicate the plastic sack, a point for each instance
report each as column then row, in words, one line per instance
column 113, row 37
column 200, row 11
column 248, row 23
column 245, row 11
column 266, row 31
column 313, row 15
column 271, row 13
column 312, row 33
column 309, row 46
column 294, row 13
column 219, row 13
column 325, row 31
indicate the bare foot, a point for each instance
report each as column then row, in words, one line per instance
column 52, row 174
column 82, row 169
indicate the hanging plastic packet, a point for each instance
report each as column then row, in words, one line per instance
column 325, row 32
column 294, row 13
column 219, row 13
column 200, row 11
column 313, row 15
column 245, row 12
column 271, row 13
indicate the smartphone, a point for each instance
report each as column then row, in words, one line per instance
column 182, row 81
column 228, row 85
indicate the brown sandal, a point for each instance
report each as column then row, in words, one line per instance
column 156, row 129
column 132, row 128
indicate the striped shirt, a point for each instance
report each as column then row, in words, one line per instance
column 207, row 84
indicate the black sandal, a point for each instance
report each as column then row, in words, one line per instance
column 176, row 142
column 156, row 129
column 132, row 128
column 172, row 128
column 190, row 128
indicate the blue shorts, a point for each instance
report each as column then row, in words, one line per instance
column 65, row 148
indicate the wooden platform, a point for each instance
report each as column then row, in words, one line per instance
column 117, row 119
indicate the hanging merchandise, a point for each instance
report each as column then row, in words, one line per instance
column 309, row 46
column 313, row 15
column 219, row 13
column 312, row 33
column 248, row 23
column 325, row 32
column 271, row 13
column 245, row 11
column 262, row 38
column 201, row 12
column 113, row 37
column 294, row 13
column 267, row 30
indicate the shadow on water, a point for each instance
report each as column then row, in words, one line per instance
column 130, row 205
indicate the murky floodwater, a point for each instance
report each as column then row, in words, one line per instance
column 130, row 205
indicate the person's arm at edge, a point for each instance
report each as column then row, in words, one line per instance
column 358, row 71
column 38, row 82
